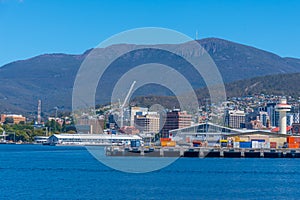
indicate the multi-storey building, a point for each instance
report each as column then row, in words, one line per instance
column 134, row 111
column 174, row 120
column 147, row 122
column 13, row 119
column 234, row 118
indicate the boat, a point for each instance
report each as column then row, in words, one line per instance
column 3, row 142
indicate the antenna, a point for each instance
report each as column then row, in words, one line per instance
column 196, row 38
column 39, row 112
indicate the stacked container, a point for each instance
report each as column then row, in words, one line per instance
column 197, row 143
column 166, row 142
column 273, row 145
column 258, row 144
column 293, row 142
column 245, row 145
column 135, row 143
column 236, row 145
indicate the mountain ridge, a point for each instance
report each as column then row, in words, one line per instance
column 50, row 77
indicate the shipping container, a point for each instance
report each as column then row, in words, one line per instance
column 261, row 145
column 165, row 139
column 197, row 142
column 223, row 144
column 293, row 146
column 225, row 141
column 236, row 145
column 255, row 144
column 258, row 140
column 168, row 143
column 245, row 145
column 273, row 145
column 267, row 145
column 135, row 143
column 293, row 139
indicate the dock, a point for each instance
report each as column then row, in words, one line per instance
column 203, row 152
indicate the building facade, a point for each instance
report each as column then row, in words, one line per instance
column 235, row 118
column 13, row 119
column 133, row 111
column 174, row 120
column 148, row 122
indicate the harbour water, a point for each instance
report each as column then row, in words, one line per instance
column 66, row 172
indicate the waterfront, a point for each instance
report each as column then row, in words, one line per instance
column 65, row 172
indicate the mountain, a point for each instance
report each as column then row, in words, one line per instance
column 279, row 84
column 50, row 77
column 237, row 61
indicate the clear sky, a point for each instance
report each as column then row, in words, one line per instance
column 29, row 28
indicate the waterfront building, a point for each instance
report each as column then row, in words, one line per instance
column 254, row 124
column 133, row 111
column 12, row 118
column 296, row 128
column 147, row 122
column 235, row 118
column 289, row 119
column 90, row 139
column 176, row 119
column 273, row 114
column 296, row 117
column 264, row 118
column 91, row 125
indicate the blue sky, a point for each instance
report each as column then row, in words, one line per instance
column 29, row 28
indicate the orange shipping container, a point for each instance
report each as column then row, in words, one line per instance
column 197, row 142
column 292, row 139
column 293, row 146
column 165, row 139
column 168, row 143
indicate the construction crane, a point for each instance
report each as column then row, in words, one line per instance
column 124, row 103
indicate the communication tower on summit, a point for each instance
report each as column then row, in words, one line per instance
column 39, row 112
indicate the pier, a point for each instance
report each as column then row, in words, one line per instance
column 203, row 152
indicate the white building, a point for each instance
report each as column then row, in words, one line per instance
column 90, row 139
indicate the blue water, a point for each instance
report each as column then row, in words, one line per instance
column 46, row 172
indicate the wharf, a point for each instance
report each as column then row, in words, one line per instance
column 202, row 152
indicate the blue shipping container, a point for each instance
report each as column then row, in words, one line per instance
column 138, row 143
column 245, row 145
column 135, row 143
column 258, row 140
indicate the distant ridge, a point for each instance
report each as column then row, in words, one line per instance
column 50, row 77
column 279, row 84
